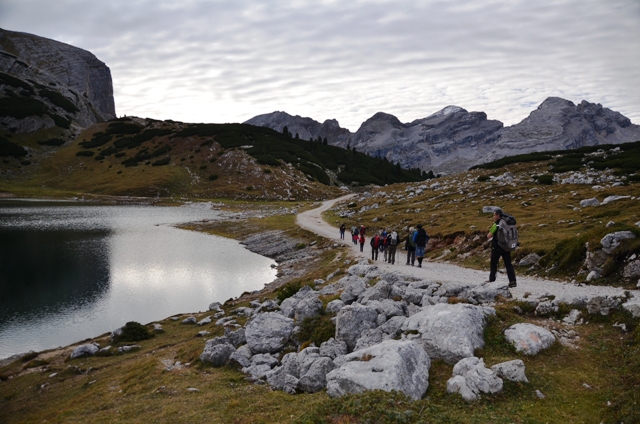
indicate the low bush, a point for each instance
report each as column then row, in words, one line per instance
column 134, row 332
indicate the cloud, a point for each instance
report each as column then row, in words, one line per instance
column 227, row 61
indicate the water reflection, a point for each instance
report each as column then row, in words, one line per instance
column 70, row 272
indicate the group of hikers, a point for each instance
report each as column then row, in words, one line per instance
column 503, row 235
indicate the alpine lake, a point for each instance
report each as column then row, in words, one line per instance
column 72, row 270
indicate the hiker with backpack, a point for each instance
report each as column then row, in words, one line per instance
column 361, row 239
column 354, row 235
column 410, row 247
column 375, row 246
column 343, row 228
column 392, row 246
column 504, row 239
column 420, row 238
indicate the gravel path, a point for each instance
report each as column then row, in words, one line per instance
column 452, row 274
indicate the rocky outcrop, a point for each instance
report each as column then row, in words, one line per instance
column 63, row 85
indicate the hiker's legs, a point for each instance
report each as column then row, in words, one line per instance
column 511, row 273
column 493, row 267
column 392, row 255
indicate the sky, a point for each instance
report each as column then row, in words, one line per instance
column 219, row 61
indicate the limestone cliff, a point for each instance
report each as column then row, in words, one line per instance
column 46, row 83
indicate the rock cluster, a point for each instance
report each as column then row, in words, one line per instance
column 388, row 329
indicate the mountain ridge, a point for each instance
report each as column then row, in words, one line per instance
column 452, row 139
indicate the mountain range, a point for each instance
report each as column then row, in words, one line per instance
column 453, row 140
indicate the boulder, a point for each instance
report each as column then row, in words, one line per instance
column 261, row 365
column 633, row 307
column 614, row 198
column 352, row 320
column 450, row 332
column 589, row 202
column 334, row 306
column 85, row 350
column 216, row 306
column 305, row 303
column 381, row 291
column 511, row 370
column 236, row 338
column 354, row 286
column 204, row 321
column 189, row 320
column 268, row 332
column 529, row 338
column 471, row 377
column 632, row 269
column 333, row 348
column 217, row 354
column 603, row 304
column 595, row 259
column 314, row 378
column 388, row 307
column 612, row 240
column 530, row 259
column 370, row 337
column 399, row 365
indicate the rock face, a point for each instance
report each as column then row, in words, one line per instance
column 82, row 87
column 453, row 139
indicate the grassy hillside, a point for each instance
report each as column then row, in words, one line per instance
column 142, row 157
column 550, row 220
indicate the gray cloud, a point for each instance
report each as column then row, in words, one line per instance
column 226, row 61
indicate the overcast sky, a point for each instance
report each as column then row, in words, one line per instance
column 229, row 60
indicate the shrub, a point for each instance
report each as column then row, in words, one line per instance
column 133, row 332
column 52, row 142
column 87, row 153
column 161, row 162
column 317, row 329
column 545, row 179
column 483, row 178
column 213, row 177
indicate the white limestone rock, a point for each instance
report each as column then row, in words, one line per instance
column 390, row 365
column 471, row 377
column 85, row 350
column 352, row 320
column 268, row 332
column 450, row 332
column 529, row 339
column 511, row 370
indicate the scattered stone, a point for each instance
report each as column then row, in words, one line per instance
column 189, row 320
column 471, row 377
column 352, row 320
column 157, row 328
column 589, row 202
column 127, row 349
column 612, row 240
column 216, row 306
column 204, row 321
column 511, row 370
column 632, row 269
column 216, row 353
column 85, row 350
column 614, row 198
column 540, row 395
column 192, row 390
column 602, row 305
column 529, row 338
column 203, row 333
column 530, row 259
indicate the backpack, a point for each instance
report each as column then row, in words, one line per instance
column 393, row 241
column 374, row 241
column 507, row 233
column 411, row 242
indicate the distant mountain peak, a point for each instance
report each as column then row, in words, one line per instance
column 447, row 111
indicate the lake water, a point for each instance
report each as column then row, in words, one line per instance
column 73, row 271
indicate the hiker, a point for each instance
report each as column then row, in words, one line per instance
column 410, row 247
column 392, row 246
column 383, row 242
column 363, row 229
column 361, row 238
column 355, row 235
column 420, row 238
column 498, row 252
column 343, row 228
column 375, row 246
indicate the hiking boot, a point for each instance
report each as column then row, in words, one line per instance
column 512, row 284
